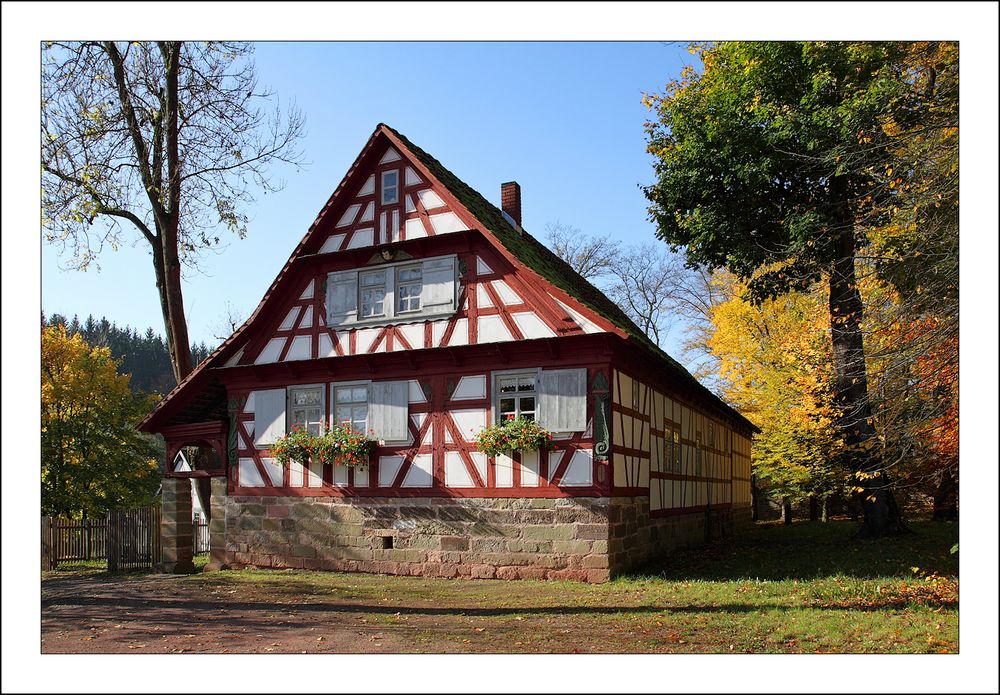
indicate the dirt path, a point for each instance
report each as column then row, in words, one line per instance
column 164, row 614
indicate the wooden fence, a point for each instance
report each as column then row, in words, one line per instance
column 75, row 540
column 128, row 539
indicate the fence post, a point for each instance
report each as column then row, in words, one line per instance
column 48, row 561
column 112, row 540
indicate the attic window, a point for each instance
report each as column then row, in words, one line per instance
column 390, row 187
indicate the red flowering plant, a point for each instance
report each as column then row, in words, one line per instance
column 338, row 444
column 514, row 434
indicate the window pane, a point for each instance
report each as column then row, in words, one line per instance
column 409, row 297
column 508, row 384
column 359, row 394
column 507, row 405
column 390, row 186
column 343, row 395
column 526, row 383
column 373, row 279
column 409, row 274
column 373, row 302
column 528, row 416
column 527, row 403
column 307, row 396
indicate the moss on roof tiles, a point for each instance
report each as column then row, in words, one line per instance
column 546, row 263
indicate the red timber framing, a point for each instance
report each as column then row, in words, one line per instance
column 434, row 430
column 286, row 342
column 300, row 319
column 211, row 434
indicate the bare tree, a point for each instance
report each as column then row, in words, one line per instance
column 645, row 285
column 165, row 142
column 591, row 257
column 231, row 319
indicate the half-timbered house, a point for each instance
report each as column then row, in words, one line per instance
column 417, row 310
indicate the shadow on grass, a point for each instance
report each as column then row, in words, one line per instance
column 238, row 613
column 813, row 550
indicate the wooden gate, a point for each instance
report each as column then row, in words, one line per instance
column 133, row 539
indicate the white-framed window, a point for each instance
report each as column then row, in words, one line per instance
column 373, row 292
column 379, row 409
column 403, row 291
column 350, row 406
column 409, row 286
column 555, row 398
column 516, row 396
column 305, row 408
column 390, row 187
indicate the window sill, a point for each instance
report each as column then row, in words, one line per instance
column 391, row 321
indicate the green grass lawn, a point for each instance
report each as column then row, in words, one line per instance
column 808, row 587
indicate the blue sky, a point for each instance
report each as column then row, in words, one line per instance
column 563, row 119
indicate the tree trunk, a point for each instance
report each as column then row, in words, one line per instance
column 754, row 500
column 176, row 322
column 854, row 417
column 813, row 508
column 823, row 509
column 786, row 510
column 946, row 498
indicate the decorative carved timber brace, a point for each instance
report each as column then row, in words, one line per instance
column 602, row 441
column 235, row 408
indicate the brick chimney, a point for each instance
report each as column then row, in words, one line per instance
column 510, row 200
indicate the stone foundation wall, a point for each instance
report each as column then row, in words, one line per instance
column 501, row 538
column 583, row 539
column 635, row 539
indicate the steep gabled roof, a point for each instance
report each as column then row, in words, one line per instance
column 543, row 261
column 518, row 243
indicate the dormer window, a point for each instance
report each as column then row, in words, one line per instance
column 390, row 187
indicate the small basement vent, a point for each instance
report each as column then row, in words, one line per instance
column 386, row 542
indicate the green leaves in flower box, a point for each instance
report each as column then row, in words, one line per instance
column 517, row 434
column 338, row 444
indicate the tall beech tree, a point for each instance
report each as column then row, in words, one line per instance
column 774, row 160
column 168, row 141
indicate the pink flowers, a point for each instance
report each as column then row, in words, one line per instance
column 337, row 445
column 514, row 434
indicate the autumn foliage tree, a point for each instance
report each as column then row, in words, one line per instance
column 93, row 459
column 774, row 365
column 777, row 161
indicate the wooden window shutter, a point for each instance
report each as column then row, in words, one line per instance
column 562, row 399
column 342, row 298
column 388, row 409
column 438, row 294
column 268, row 416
